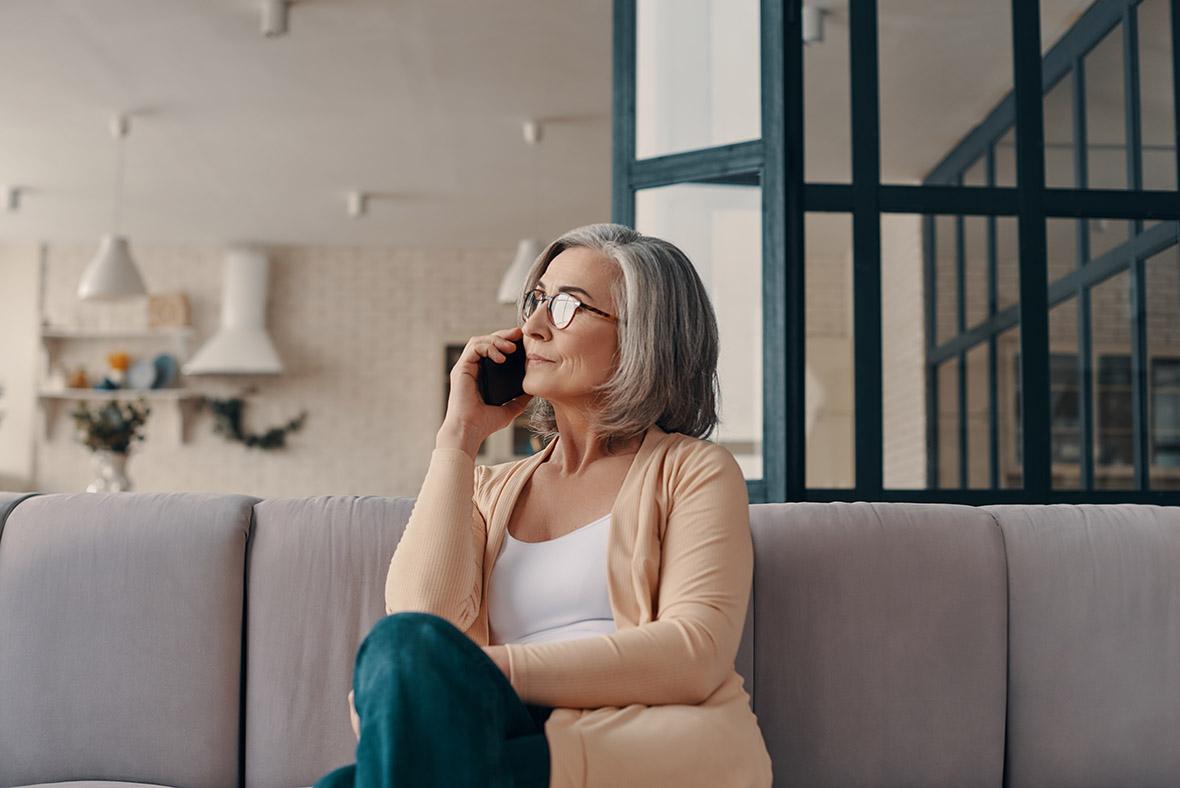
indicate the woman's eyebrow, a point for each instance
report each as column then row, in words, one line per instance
column 568, row 289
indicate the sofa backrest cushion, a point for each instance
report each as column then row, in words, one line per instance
column 1094, row 685
column 315, row 587
column 121, row 638
column 8, row 502
column 879, row 643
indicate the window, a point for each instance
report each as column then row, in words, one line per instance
column 1114, row 411
column 904, row 250
column 1063, row 408
column 1165, row 412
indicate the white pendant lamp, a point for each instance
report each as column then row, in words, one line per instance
column 512, row 284
column 527, row 249
column 113, row 275
column 241, row 346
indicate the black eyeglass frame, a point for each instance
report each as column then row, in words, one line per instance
column 547, row 300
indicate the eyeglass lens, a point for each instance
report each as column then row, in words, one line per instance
column 562, row 307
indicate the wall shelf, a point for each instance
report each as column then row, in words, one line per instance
column 188, row 402
column 51, row 400
column 51, row 332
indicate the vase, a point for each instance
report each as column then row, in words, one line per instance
column 111, row 467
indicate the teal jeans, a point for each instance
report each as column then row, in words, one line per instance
column 436, row 711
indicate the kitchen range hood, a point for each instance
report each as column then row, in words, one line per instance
column 241, row 345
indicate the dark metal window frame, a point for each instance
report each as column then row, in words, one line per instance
column 776, row 163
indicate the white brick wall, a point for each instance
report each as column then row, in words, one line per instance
column 362, row 334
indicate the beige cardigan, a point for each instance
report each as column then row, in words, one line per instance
column 658, row 702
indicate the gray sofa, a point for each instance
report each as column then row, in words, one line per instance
column 207, row 640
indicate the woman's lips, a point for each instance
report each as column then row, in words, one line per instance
column 538, row 360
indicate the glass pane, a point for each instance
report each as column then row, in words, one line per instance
column 1061, row 237
column 1006, row 159
column 1106, row 235
column 948, row 424
column 829, row 372
column 942, row 68
column 1155, row 95
column 906, row 365
column 1163, row 350
column 903, row 349
column 827, row 97
column 975, row 273
column 1059, row 136
column 1064, row 396
column 697, row 74
column 976, row 174
column 720, row 229
column 1106, row 133
column 946, row 277
column 978, row 420
column 1111, row 331
column 1010, row 411
column 1007, row 263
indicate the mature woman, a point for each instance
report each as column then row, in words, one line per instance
column 572, row 619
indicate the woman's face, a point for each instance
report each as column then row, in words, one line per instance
column 581, row 354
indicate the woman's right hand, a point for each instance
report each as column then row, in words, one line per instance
column 467, row 414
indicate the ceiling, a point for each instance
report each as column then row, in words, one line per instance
column 239, row 137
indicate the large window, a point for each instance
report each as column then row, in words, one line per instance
column 961, row 218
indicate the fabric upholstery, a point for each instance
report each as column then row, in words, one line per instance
column 1094, row 691
column 316, row 587
column 120, row 638
column 880, row 640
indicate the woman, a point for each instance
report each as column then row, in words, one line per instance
column 572, row 619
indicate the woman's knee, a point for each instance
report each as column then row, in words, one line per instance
column 409, row 628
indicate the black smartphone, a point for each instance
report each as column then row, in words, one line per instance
column 500, row 382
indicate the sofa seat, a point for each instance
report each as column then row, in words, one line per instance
column 93, row 784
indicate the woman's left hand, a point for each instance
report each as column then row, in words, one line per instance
column 499, row 655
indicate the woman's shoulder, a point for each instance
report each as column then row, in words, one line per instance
column 690, row 449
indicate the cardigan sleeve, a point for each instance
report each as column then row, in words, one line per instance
column 706, row 568
column 437, row 566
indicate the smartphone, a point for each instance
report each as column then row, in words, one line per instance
column 500, row 382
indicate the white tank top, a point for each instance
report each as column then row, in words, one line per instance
column 551, row 590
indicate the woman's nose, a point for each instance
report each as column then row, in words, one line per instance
column 537, row 322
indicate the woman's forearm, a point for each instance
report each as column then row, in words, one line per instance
column 456, row 437
column 437, row 564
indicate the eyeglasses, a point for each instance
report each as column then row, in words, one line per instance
column 562, row 307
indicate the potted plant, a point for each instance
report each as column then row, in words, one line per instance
column 108, row 432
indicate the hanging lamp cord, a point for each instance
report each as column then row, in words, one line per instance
column 118, row 182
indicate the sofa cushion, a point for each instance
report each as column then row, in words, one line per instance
column 121, row 638
column 92, row 784
column 316, row 586
column 880, row 643
column 1094, row 687
column 8, row 502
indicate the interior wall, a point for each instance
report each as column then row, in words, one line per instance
column 18, row 327
column 362, row 334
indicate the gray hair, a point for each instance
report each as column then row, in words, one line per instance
column 666, row 363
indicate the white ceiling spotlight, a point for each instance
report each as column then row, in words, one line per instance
column 12, row 198
column 527, row 249
column 813, row 23
column 358, row 204
column 112, row 275
column 274, row 17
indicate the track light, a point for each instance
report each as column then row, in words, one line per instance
column 358, row 204
column 274, row 17
column 813, row 24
